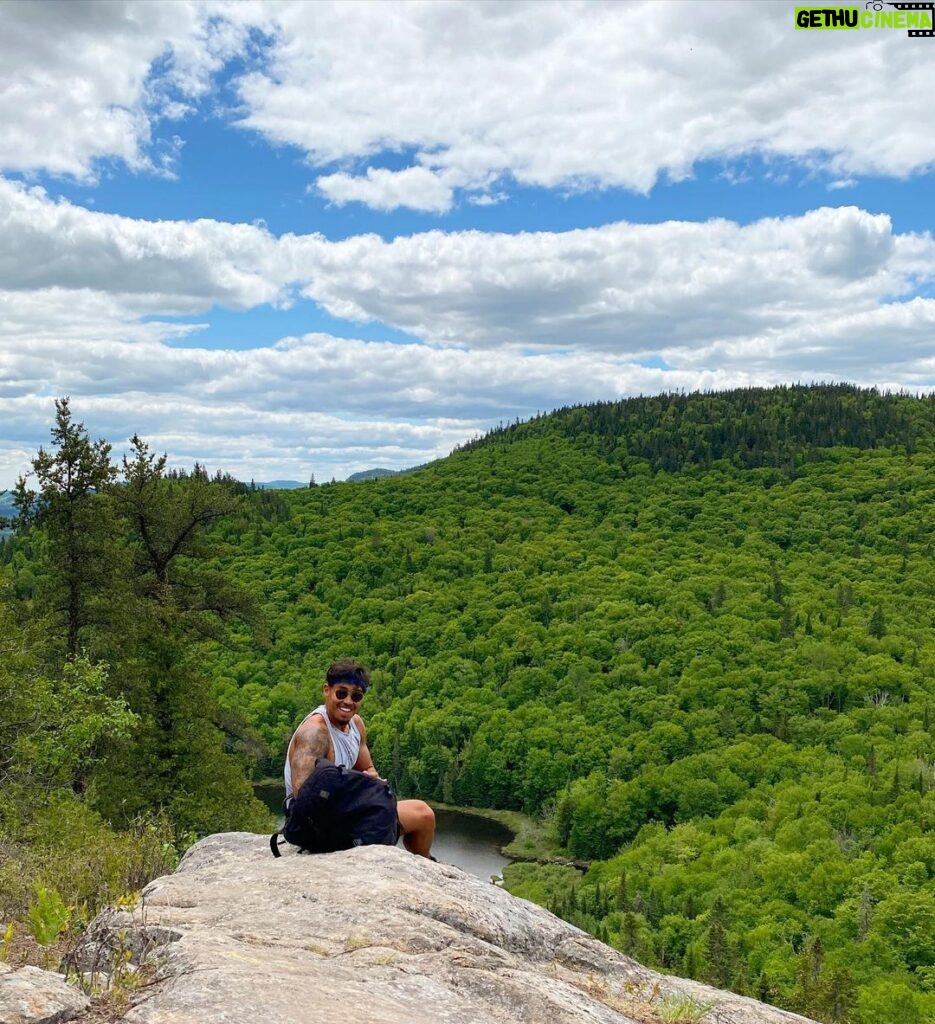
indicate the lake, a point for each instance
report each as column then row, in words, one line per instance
column 468, row 841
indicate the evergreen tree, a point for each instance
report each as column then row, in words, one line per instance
column 69, row 508
column 631, row 932
column 764, row 989
column 622, row 900
column 718, row 951
column 877, row 627
column 178, row 760
column 865, row 914
column 808, row 991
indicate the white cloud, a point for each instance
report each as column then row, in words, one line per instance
column 624, row 288
column 82, row 82
column 507, row 325
column 331, row 406
column 166, row 266
column 466, row 99
column 382, row 189
column 488, row 198
column 621, row 287
column 560, row 95
column 253, row 413
column 587, row 95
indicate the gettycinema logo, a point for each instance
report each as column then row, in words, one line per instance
column 916, row 18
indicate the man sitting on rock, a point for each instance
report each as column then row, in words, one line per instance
column 335, row 730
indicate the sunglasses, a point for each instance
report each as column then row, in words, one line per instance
column 342, row 693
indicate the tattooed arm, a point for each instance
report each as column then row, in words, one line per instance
column 311, row 742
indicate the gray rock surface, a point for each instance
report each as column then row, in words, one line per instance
column 32, row 996
column 379, row 936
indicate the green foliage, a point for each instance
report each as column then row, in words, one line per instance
column 892, row 1002
column 6, row 943
column 677, row 1008
column 70, row 504
column 111, row 747
column 48, row 917
column 52, row 722
column 694, row 631
column 550, row 885
column 752, row 427
column 63, row 845
column 128, row 580
column 73, row 719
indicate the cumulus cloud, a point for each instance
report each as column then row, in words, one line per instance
column 504, row 325
column 82, row 82
column 624, row 288
column 405, row 382
column 170, row 266
column 416, row 188
column 332, row 406
column 463, row 100
column 621, row 287
column 253, row 412
column 576, row 95
column 560, row 95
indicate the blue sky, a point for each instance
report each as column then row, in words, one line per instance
column 288, row 239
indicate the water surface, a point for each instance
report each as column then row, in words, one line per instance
column 471, row 842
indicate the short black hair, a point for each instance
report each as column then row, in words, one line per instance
column 347, row 670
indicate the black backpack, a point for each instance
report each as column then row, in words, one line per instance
column 338, row 808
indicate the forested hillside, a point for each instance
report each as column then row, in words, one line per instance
column 694, row 631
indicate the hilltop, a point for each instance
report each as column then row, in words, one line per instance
column 751, row 427
column 372, row 474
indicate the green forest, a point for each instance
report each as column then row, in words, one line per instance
column 691, row 633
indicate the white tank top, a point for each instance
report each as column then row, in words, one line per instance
column 346, row 745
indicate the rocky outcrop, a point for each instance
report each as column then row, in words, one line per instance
column 33, row 996
column 379, row 936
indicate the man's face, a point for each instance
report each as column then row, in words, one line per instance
column 342, row 701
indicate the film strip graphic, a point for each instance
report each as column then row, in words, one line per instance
column 929, row 6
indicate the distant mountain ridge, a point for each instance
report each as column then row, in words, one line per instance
column 277, row 485
column 377, row 473
column 373, row 474
column 7, row 511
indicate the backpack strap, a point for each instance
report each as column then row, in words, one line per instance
column 275, row 843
